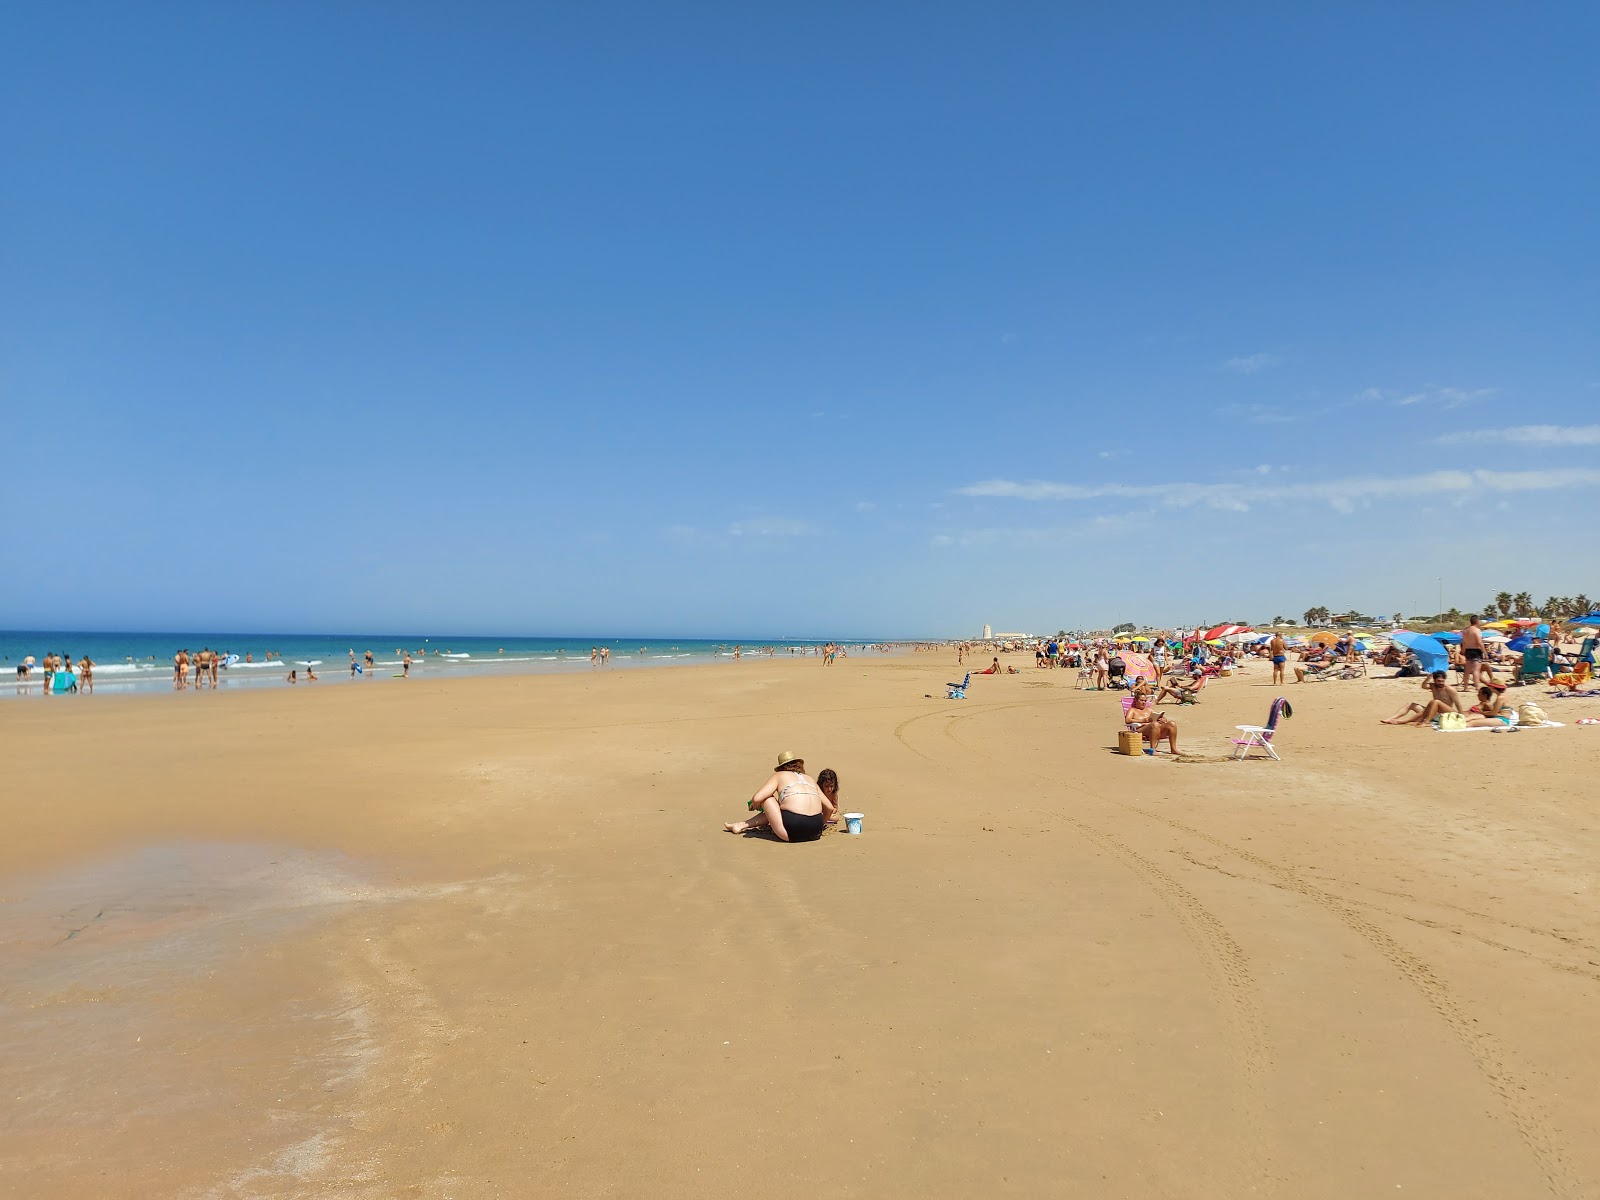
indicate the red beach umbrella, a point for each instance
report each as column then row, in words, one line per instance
column 1222, row 631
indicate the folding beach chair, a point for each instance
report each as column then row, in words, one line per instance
column 958, row 691
column 1260, row 736
column 1191, row 695
column 1535, row 665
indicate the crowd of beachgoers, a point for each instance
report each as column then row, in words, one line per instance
column 61, row 672
column 1486, row 659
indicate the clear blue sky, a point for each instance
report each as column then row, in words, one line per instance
column 855, row 318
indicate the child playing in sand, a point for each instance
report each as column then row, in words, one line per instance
column 828, row 781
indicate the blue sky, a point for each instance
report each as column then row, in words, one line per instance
column 857, row 319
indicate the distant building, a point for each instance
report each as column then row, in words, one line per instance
column 988, row 632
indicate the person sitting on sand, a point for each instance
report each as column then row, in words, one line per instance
column 1443, row 698
column 1492, row 711
column 994, row 668
column 828, row 781
column 792, row 806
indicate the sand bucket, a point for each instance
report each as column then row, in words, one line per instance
column 852, row 823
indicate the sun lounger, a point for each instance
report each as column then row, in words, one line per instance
column 958, row 691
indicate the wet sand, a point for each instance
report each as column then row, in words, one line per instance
column 486, row 938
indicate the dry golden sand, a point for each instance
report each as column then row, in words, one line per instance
column 485, row 938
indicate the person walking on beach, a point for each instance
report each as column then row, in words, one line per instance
column 1471, row 651
column 1279, row 649
column 368, row 659
column 405, row 666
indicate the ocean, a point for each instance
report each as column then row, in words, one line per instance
column 139, row 662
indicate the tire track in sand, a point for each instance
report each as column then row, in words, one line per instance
column 1532, row 1125
column 1223, row 961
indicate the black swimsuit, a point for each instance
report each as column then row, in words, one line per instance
column 802, row 827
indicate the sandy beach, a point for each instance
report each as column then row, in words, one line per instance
column 471, row 938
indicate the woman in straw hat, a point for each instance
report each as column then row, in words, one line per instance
column 791, row 804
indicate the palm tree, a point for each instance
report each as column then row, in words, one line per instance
column 1581, row 604
column 1523, row 602
column 1555, row 606
column 1503, row 602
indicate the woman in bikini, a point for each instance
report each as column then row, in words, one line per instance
column 791, row 804
column 1493, row 712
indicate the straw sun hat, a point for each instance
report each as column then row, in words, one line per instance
column 787, row 757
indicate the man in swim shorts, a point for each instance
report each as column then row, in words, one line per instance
column 1279, row 650
column 1471, row 652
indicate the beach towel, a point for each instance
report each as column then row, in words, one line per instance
column 1502, row 728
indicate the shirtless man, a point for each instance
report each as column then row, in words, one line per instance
column 368, row 658
column 1279, row 649
column 1471, row 651
column 216, row 665
column 49, row 666
column 202, row 666
column 180, row 670
column 405, row 666
column 1444, row 699
column 85, row 676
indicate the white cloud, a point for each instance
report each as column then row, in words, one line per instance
column 1343, row 495
column 773, row 527
column 864, row 506
column 1258, row 414
column 1249, row 364
column 1529, row 435
column 1435, row 396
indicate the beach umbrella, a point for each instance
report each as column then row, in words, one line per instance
column 1520, row 644
column 1587, row 619
column 1494, row 636
column 1139, row 665
column 1449, row 639
column 1222, row 631
column 1430, row 651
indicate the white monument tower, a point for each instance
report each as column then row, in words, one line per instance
column 988, row 632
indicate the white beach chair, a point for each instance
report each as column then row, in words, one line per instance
column 1260, row 736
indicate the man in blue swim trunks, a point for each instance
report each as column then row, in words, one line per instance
column 1279, row 650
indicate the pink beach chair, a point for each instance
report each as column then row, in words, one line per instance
column 1260, row 736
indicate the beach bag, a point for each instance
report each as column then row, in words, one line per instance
column 1450, row 721
column 1530, row 714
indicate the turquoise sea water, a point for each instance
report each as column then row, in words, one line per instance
column 129, row 662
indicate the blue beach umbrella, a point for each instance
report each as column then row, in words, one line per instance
column 1449, row 639
column 1430, row 651
column 1519, row 644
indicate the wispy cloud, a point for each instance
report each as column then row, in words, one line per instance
column 864, row 506
column 1343, row 495
column 1430, row 394
column 1529, row 435
column 1259, row 414
column 1094, row 527
column 773, row 527
column 1249, row 364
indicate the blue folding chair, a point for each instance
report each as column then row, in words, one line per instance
column 958, row 691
